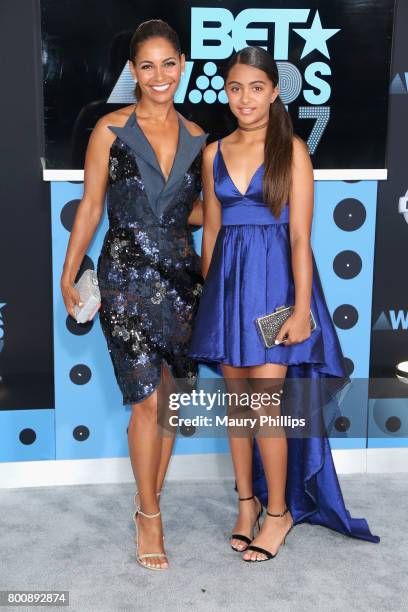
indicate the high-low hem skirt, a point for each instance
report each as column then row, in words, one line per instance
column 250, row 276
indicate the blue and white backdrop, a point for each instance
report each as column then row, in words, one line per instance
column 335, row 73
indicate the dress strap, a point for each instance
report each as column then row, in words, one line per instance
column 131, row 120
column 216, row 163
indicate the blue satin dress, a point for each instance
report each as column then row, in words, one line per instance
column 249, row 276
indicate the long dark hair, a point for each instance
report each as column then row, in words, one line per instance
column 154, row 28
column 279, row 134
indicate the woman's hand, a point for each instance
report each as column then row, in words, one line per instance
column 295, row 329
column 90, row 208
column 70, row 295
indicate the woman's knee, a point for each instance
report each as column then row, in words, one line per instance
column 145, row 411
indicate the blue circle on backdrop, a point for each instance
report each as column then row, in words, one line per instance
column 80, row 374
column 349, row 214
column 202, row 82
column 393, row 424
column 348, row 365
column 81, row 433
column 68, row 213
column 222, row 97
column 217, row 82
column 195, row 96
column 342, row 424
column 345, row 316
column 347, row 264
column 27, row 436
column 86, row 264
column 187, row 430
column 210, row 96
column 78, row 329
column 210, row 68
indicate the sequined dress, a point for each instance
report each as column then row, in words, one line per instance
column 148, row 270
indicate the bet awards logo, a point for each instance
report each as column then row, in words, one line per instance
column 403, row 206
column 216, row 34
column 399, row 84
column 396, row 319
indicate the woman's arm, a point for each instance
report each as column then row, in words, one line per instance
column 212, row 209
column 196, row 216
column 297, row 327
column 90, row 209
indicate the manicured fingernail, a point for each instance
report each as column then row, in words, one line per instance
column 277, row 342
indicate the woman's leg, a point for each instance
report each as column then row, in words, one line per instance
column 241, row 445
column 168, row 433
column 145, row 447
column 273, row 449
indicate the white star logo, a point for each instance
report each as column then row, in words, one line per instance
column 316, row 37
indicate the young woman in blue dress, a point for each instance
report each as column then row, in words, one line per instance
column 256, row 256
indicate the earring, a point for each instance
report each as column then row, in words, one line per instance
column 135, row 80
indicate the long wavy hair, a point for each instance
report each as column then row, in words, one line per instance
column 279, row 134
column 154, row 28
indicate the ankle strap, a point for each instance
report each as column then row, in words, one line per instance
column 158, row 493
column 137, row 493
column 148, row 515
column 283, row 513
column 246, row 498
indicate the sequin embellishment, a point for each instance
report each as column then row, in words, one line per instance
column 149, row 278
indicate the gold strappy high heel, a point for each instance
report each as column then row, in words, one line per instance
column 137, row 505
column 137, row 493
column 139, row 558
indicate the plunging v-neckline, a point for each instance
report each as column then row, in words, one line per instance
column 165, row 179
column 233, row 182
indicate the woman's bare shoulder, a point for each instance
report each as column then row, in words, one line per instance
column 117, row 118
column 210, row 151
column 300, row 148
column 231, row 138
column 301, row 159
column 101, row 134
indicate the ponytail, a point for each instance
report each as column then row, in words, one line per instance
column 278, row 157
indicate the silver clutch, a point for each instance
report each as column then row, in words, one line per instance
column 269, row 325
column 88, row 289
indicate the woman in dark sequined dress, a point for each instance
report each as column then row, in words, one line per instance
column 147, row 158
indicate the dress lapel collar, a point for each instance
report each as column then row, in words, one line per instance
column 132, row 135
column 188, row 149
column 160, row 192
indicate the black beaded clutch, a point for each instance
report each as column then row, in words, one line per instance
column 269, row 325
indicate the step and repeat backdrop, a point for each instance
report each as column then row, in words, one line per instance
column 389, row 337
column 334, row 61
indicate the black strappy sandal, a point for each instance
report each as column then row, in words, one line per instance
column 263, row 551
column 240, row 536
